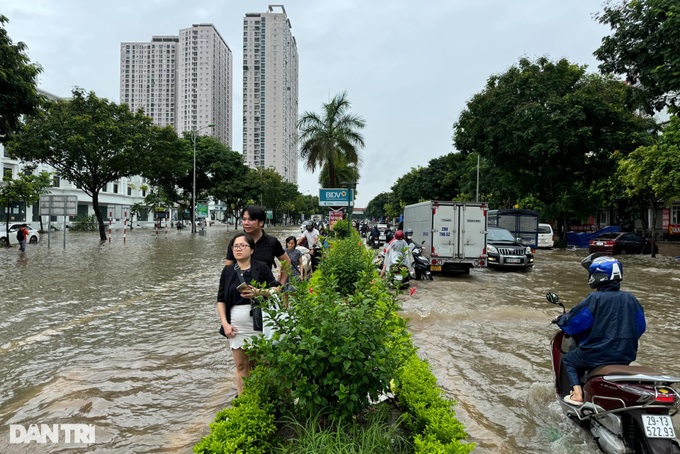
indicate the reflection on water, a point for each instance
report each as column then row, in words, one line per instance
column 125, row 338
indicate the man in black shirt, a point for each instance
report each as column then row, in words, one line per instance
column 266, row 247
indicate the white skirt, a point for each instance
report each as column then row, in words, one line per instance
column 243, row 322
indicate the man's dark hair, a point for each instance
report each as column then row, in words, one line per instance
column 255, row 212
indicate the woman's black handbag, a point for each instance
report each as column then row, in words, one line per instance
column 256, row 313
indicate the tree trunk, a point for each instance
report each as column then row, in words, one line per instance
column 653, row 228
column 100, row 219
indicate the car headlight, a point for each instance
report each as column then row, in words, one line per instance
column 491, row 249
column 527, row 251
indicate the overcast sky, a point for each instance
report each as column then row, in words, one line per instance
column 408, row 67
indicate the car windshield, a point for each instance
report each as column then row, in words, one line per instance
column 499, row 235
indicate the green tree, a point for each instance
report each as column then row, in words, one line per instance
column 18, row 78
column 27, row 188
column 552, row 129
column 218, row 170
column 92, row 141
column 379, row 206
column 653, row 171
column 644, row 47
column 332, row 139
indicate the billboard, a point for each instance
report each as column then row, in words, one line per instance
column 336, row 197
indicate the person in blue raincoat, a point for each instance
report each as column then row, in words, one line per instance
column 606, row 324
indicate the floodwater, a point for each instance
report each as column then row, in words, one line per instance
column 124, row 337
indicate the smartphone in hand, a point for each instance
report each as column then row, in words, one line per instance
column 242, row 287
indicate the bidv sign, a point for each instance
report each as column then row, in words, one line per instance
column 52, row 433
column 336, row 197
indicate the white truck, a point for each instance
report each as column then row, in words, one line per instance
column 454, row 233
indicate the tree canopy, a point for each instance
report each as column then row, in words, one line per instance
column 551, row 129
column 18, row 78
column 653, row 172
column 91, row 142
column 331, row 140
column 644, row 47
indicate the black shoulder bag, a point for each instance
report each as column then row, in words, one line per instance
column 255, row 309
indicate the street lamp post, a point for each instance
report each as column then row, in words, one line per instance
column 350, row 185
column 193, row 191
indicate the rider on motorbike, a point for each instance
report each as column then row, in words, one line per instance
column 375, row 233
column 396, row 253
column 606, row 324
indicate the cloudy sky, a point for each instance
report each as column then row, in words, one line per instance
column 408, row 67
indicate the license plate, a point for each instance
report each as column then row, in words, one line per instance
column 435, row 268
column 658, row 426
column 513, row 260
column 599, row 243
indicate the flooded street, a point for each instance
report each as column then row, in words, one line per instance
column 125, row 338
column 487, row 337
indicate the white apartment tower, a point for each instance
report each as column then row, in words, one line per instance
column 183, row 81
column 270, row 92
column 147, row 78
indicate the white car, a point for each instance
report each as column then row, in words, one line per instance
column 33, row 235
column 545, row 236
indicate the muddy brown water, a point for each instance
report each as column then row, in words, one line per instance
column 125, row 338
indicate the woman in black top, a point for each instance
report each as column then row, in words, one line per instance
column 234, row 306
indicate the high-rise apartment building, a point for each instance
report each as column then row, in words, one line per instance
column 270, row 92
column 183, row 81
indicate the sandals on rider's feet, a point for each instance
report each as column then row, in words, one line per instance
column 569, row 400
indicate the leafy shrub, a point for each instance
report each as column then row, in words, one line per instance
column 347, row 260
column 331, row 355
column 429, row 412
column 244, row 428
column 84, row 223
column 340, row 229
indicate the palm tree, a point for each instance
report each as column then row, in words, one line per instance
column 331, row 141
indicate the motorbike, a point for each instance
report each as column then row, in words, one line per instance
column 627, row 408
column 374, row 241
column 421, row 264
column 399, row 274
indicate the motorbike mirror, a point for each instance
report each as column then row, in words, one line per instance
column 422, row 243
column 553, row 298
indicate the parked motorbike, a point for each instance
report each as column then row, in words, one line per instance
column 421, row 264
column 627, row 408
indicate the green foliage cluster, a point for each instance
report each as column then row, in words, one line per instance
column 332, row 355
column 643, row 47
column 18, row 83
column 84, row 223
column 348, row 261
column 372, row 432
column 245, row 427
column 428, row 413
column 339, row 229
column 331, row 140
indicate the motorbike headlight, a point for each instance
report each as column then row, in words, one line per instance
column 491, row 249
column 527, row 250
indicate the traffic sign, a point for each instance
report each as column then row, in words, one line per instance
column 336, row 197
